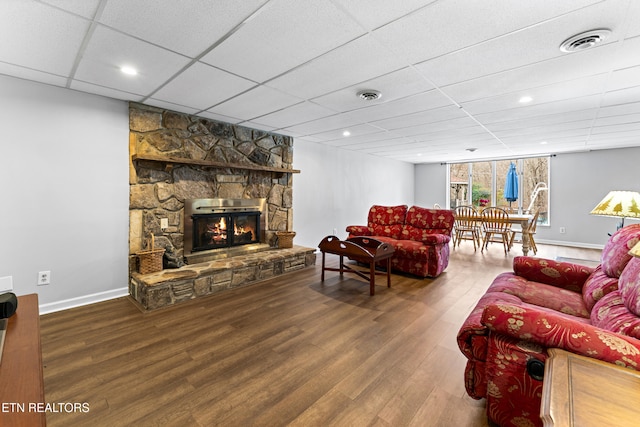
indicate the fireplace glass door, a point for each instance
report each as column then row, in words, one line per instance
column 220, row 230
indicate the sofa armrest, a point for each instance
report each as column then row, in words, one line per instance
column 551, row 329
column 435, row 239
column 358, row 230
column 555, row 273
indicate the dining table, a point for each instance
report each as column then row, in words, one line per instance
column 514, row 218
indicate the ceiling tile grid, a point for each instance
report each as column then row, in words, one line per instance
column 451, row 72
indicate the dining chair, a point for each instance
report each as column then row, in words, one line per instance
column 530, row 230
column 466, row 226
column 495, row 222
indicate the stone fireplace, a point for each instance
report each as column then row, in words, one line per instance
column 178, row 158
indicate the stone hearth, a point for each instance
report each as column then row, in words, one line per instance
column 169, row 287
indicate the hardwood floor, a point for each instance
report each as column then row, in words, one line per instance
column 288, row 351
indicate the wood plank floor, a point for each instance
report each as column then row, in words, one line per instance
column 288, row 351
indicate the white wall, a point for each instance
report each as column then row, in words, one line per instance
column 64, row 168
column 431, row 184
column 578, row 182
column 337, row 187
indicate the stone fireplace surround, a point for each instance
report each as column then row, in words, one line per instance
column 176, row 157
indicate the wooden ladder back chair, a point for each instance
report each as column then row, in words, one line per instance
column 495, row 222
column 466, row 225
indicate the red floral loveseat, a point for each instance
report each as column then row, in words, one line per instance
column 542, row 304
column 420, row 236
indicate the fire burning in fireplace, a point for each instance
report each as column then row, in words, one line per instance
column 214, row 224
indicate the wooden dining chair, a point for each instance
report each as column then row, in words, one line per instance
column 495, row 222
column 466, row 226
column 530, row 230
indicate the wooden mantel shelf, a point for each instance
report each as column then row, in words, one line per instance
column 208, row 163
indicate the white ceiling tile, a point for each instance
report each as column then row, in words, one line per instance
column 272, row 43
column 552, row 108
column 446, row 26
column 357, row 61
column 372, row 14
column 173, row 107
column 624, row 79
column 219, row 117
column 418, row 103
column 202, row 86
column 295, row 114
column 356, row 130
column 33, row 33
column 395, row 85
column 105, row 91
column 85, row 8
column 592, row 85
column 555, row 71
column 529, row 46
column 256, row 102
column 329, row 123
column 184, row 26
column 30, row 74
column 109, row 50
column 621, row 96
column 421, row 118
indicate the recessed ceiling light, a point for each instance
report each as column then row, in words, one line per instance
column 585, row 40
column 543, row 142
column 129, row 70
column 525, row 99
column 369, row 94
column 471, row 150
column 346, row 133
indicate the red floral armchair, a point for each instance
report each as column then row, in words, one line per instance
column 542, row 304
column 420, row 236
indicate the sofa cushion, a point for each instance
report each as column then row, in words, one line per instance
column 615, row 254
column 629, row 285
column 597, row 286
column 610, row 313
column 539, row 294
column 387, row 215
column 434, row 221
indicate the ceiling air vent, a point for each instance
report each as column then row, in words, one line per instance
column 584, row 40
column 369, row 95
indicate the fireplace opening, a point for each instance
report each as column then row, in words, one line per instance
column 220, row 228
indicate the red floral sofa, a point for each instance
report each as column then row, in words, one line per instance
column 420, row 236
column 542, row 304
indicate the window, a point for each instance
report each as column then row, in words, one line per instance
column 487, row 183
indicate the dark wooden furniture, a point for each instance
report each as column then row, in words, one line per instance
column 21, row 380
column 360, row 249
column 582, row 391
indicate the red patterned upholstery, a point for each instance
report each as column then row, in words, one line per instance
column 420, row 236
column 542, row 304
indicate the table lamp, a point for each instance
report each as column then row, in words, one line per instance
column 623, row 204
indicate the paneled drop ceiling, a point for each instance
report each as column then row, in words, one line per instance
column 451, row 72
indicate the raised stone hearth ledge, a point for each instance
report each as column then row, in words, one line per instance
column 168, row 287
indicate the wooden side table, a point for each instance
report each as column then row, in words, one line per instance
column 580, row 391
column 361, row 249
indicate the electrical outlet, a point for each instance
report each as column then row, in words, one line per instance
column 44, row 278
column 164, row 223
column 563, row 230
column 335, row 231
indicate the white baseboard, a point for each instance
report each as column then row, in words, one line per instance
column 83, row 300
column 572, row 244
